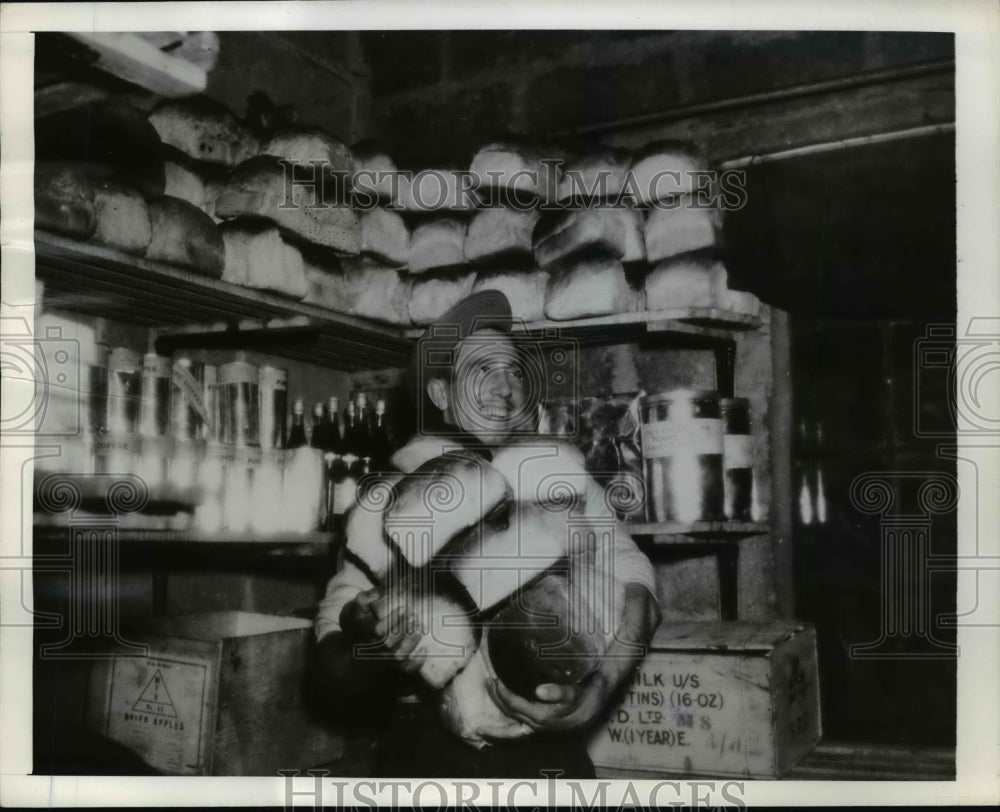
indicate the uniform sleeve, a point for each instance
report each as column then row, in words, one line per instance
column 340, row 590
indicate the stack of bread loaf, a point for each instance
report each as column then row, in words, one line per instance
column 513, row 184
column 437, row 204
column 509, row 582
column 372, row 286
column 100, row 175
column 297, row 212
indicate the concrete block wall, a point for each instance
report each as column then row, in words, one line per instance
column 321, row 74
column 437, row 96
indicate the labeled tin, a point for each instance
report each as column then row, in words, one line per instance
column 682, row 446
column 120, row 413
column 239, row 404
column 115, row 402
column 154, row 410
column 273, row 390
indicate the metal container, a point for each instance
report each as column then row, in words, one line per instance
column 737, row 458
column 120, row 411
column 273, row 385
column 210, row 375
column 188, row 410
column 154, row 411
column 239, row 404
column 115, row 412
column 682, row 444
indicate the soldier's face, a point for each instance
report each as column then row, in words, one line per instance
column 487, row 392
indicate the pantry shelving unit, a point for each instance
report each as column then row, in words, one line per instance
column 187, row 309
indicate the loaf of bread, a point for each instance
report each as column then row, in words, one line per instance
column 517, row 168
column 500, row 232
column 664, row 169
column 258, row 257
column 468, row 711
column 438, row 243
column 304, row 146
column 453, row 492
column 184, row 183
column 673, row 231
column 214, row 187
column 203, row 130
column 435, row 190
column 361, row 287
column 106, row 134
column 633, row 237
column 384, row 236
column 550, row 634
column 374, row 174
column 551, row 472
column 598, row 229
column 377, row 292
column 122, row 218
column 740, row 301
column 84, row 201
column 525, row 290
column 589, row 286
column 184, row 235
column 435, row 293
column 690, row 280
column 258, row 188
column 600, row 174
column 375, row 536
column 495, row 559
column 64, row 199
column 449, row 636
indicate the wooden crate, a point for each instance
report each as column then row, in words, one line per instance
column 220, row 693
column 716, row 699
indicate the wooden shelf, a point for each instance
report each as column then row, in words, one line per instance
column 684, row 322
column 101, row 281
column 193, row 542
column 55, row 492
column 696, row 532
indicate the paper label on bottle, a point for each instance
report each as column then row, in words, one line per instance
column 667, row 438
column 737, row 451
column 193, row 393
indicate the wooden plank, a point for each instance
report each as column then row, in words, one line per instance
column 736, row 699
column 780, row 433
column 138, row 61
column 697, row 528
column 735, row 129
column 139, row 291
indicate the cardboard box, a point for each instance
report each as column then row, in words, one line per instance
column 716, row 699
column 220, row 693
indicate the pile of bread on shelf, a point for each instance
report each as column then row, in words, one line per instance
column 295, row 211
